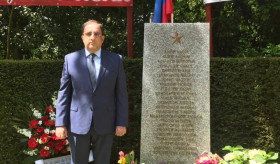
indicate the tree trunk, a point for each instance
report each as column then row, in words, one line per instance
column 10, row 11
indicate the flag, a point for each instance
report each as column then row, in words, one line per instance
column 162, row 11
column 213, row 1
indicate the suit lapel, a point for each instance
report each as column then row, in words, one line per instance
column 102, row 67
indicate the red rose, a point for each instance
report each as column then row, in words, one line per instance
column 45, row 137
column 56, row 151
column 62, row 142
column 46, row 123
column 49, row 123
column 33, row 124
column 45, row 118
column 32, row 143
column 54, row 137
column 44, row 153
column 64, row 151
column 40, row 130
column 50, row 144
column 58, row 145
column 49, row 109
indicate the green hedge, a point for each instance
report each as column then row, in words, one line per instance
column 22, row 83
column 245, row 103
column 245, row 107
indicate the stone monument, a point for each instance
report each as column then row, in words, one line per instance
column 175, row 126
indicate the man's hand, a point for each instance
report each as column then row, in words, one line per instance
column 61, row 132
column 120, row 130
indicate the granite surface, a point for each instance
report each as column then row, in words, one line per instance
column 175, row 126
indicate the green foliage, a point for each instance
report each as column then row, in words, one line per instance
column 41, row 32
column 271, row 50
column 240, row 28
column 232, row 149
column 240, row 155
column 243, row 28
column 30, row 159
column 189, row 11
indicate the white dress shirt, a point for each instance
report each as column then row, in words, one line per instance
column 97, row 61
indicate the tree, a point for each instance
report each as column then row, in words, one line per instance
column 51, row 32
column 246, row 28
column 240, row 28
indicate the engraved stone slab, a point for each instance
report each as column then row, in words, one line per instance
column 175, row 126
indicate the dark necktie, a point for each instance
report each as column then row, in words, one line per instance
column 91, row 69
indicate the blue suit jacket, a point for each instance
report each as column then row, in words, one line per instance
column 78, row 102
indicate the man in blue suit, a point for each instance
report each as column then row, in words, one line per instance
column 92, row 100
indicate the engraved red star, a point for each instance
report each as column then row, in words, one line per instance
column 176, row 38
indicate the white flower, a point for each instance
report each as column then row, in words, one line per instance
column 253, row 162
column 52, row 131
column 52, row 116
column 30, row 152
column 54, row 98
column 46, row 148
column 229, row 157
column 40, row 122
column 253, row 152
column 47, row 131
column 36, row 113
column 54, row 103
column 39, row 141
column 25, row 132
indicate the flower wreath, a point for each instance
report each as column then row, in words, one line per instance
column 41, row 134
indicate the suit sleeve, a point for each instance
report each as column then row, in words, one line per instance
column 64, row 97
column 121, row 98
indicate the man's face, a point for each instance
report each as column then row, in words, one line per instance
column 92, row 37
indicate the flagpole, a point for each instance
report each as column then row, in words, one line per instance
column 208, row 19
column 172, row 18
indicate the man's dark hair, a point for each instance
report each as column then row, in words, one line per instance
column 91, row 21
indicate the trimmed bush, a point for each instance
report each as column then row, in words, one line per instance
column 245, row 104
